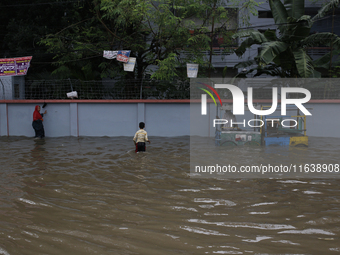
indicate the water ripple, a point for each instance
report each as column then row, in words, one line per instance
column 94, row 195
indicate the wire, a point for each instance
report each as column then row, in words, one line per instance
column 67, row 61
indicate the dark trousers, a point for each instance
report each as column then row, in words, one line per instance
column 38, row 128
column 140, row 147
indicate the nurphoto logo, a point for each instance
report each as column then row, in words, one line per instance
column 238, row 99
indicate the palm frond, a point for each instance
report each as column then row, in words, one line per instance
column 323, row 61
column 279, row 12
column 306, row 18
column 270, row 34
column 242, row 33
column 322, row 39
column 303, row 63
column 270, row 50
column 254, row 38
column 295, row 8
column 315, row 74
column 245, row 64
column 323, row 10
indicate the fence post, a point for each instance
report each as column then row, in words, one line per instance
column 3, row 90
column 3, row 120
column 74, row 129
column 141, row 112
column 141, row 89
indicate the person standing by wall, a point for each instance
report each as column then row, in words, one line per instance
column 37, row 123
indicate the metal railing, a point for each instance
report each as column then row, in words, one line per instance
column 147, row 89
column 113, row 89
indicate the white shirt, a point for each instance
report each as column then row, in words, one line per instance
column 141, row 136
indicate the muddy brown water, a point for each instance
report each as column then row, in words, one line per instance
column 96, row 196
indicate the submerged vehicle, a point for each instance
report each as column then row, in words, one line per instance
column 229, row 134
column 285, row 130
column 288, row 130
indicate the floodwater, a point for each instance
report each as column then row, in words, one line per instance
column 96, row 196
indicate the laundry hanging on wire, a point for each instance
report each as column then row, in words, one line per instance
column 120, row 55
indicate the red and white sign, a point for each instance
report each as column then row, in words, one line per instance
column 123, row 55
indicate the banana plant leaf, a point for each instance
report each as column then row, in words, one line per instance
column 303, row 63
column 295, row 8
column 270, row 50
column 279, row 12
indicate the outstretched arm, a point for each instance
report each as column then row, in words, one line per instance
column 42, row 114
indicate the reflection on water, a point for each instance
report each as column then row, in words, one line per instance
column 96, row 196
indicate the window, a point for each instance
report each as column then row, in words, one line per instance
column 265, row 14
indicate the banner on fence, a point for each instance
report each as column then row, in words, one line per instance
column 14, row 66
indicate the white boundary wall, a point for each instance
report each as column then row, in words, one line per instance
column 121, row 119
column 96, row 119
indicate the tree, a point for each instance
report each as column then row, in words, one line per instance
column 24, row 23
column 157, row 33
column 285, row 54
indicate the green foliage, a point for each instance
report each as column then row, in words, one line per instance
column 24, row 23
column 253, row 37
column 295, row 8
column 332, row 4
column 157, row 33
column 303, row 63
column 286, row 55
column 335, row 70
column 270, row 50
column 167, row 68
column 279, row 12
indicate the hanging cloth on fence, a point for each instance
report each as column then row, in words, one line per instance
column 109, row 54
column 123, row 55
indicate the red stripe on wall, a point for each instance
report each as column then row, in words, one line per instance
column 65, row 101
column 158, row 101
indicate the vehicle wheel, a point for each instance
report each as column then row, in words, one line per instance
column 252, row 143
column 301, row 145
column 228, row 143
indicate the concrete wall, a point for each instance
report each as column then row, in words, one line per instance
column 96, row 119
column 324, row 122
column 162, row 118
